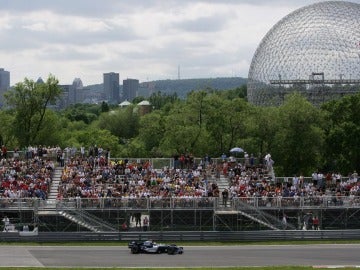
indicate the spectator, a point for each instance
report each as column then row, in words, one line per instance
column 4, row 151
column 315, row 178
column 316, row 223
column 6, row 221
column 62, row 159
column 124, row 226
column 225, row 196
column 146, row 223
column 284, row 222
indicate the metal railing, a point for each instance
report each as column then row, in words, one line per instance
column 188, row 203
column 242, row 236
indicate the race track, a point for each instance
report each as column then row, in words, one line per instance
column 194, row 256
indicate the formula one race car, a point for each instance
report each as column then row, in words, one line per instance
column 152, row 247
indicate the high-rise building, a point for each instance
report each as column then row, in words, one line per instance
column 4, row 84
column 130, row 89
column 75, row 91
column 112, row 87
column 63, row 100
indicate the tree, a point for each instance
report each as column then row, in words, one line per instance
column 159, row 100
column 179, row 130
column 6, row 135
column 342, row 130
column 196, row 104
column 138, row 99
column 151, row 131
column 299, row 142
column 225, row 121
column 53, row 124
column 216, row 124
column 262, row 124
column 239, row 92
column 91, row 136
column 85, row 112
column 123, row 122
column 104, row 107
column 30, row 101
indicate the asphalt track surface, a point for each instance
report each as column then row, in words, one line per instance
column 336, row 255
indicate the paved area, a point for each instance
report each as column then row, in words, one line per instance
column 216, row 256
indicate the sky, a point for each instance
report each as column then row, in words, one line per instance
column 139, row 39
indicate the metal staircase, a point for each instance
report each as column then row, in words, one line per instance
column 87, row 220
column 48, row 207
column 269, row 225
column 54, row 189
column 261, row 217
column 52, row 206
column 222, row 183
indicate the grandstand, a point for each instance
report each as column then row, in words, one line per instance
column 99, row 194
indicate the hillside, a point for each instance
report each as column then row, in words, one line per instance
column 182, row 87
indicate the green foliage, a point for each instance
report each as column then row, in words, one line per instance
column 134, row 148
column 300, row 137
column 239, row 92
column 151, row 132
column 299, row 141
column 122, row 122
column 6, row 133
column 138, row 99
column 226, row 122
column 342, row 130
column 49, row 134
column 85, row 112
column 185, row 126
column 93, row 136
column 262, row 125
column 159, row 100
column 30, row 101
column 104, row 107
column 180, row 131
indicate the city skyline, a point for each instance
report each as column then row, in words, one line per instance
column 141, row 39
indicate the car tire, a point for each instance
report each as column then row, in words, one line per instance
column 135, row 250
column 171, row 250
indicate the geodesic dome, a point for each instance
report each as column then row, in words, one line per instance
column 316, row 43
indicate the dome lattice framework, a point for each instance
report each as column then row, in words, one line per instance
column 314, row 50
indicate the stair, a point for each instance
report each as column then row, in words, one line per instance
column 223, row 183
column 79, row 221
column 261, row 217
column 87, row 220
column 49, row 206
column 54, row 189
column 265, row 223
column 53, row 206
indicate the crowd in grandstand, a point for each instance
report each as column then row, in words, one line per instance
column 97, row 177
column 28, row 177
column 94, row 175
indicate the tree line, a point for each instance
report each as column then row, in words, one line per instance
column 301, row 137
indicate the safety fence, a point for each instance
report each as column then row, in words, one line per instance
column 212, row 203
column 240, row 236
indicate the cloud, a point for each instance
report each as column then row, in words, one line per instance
column 144, row 39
